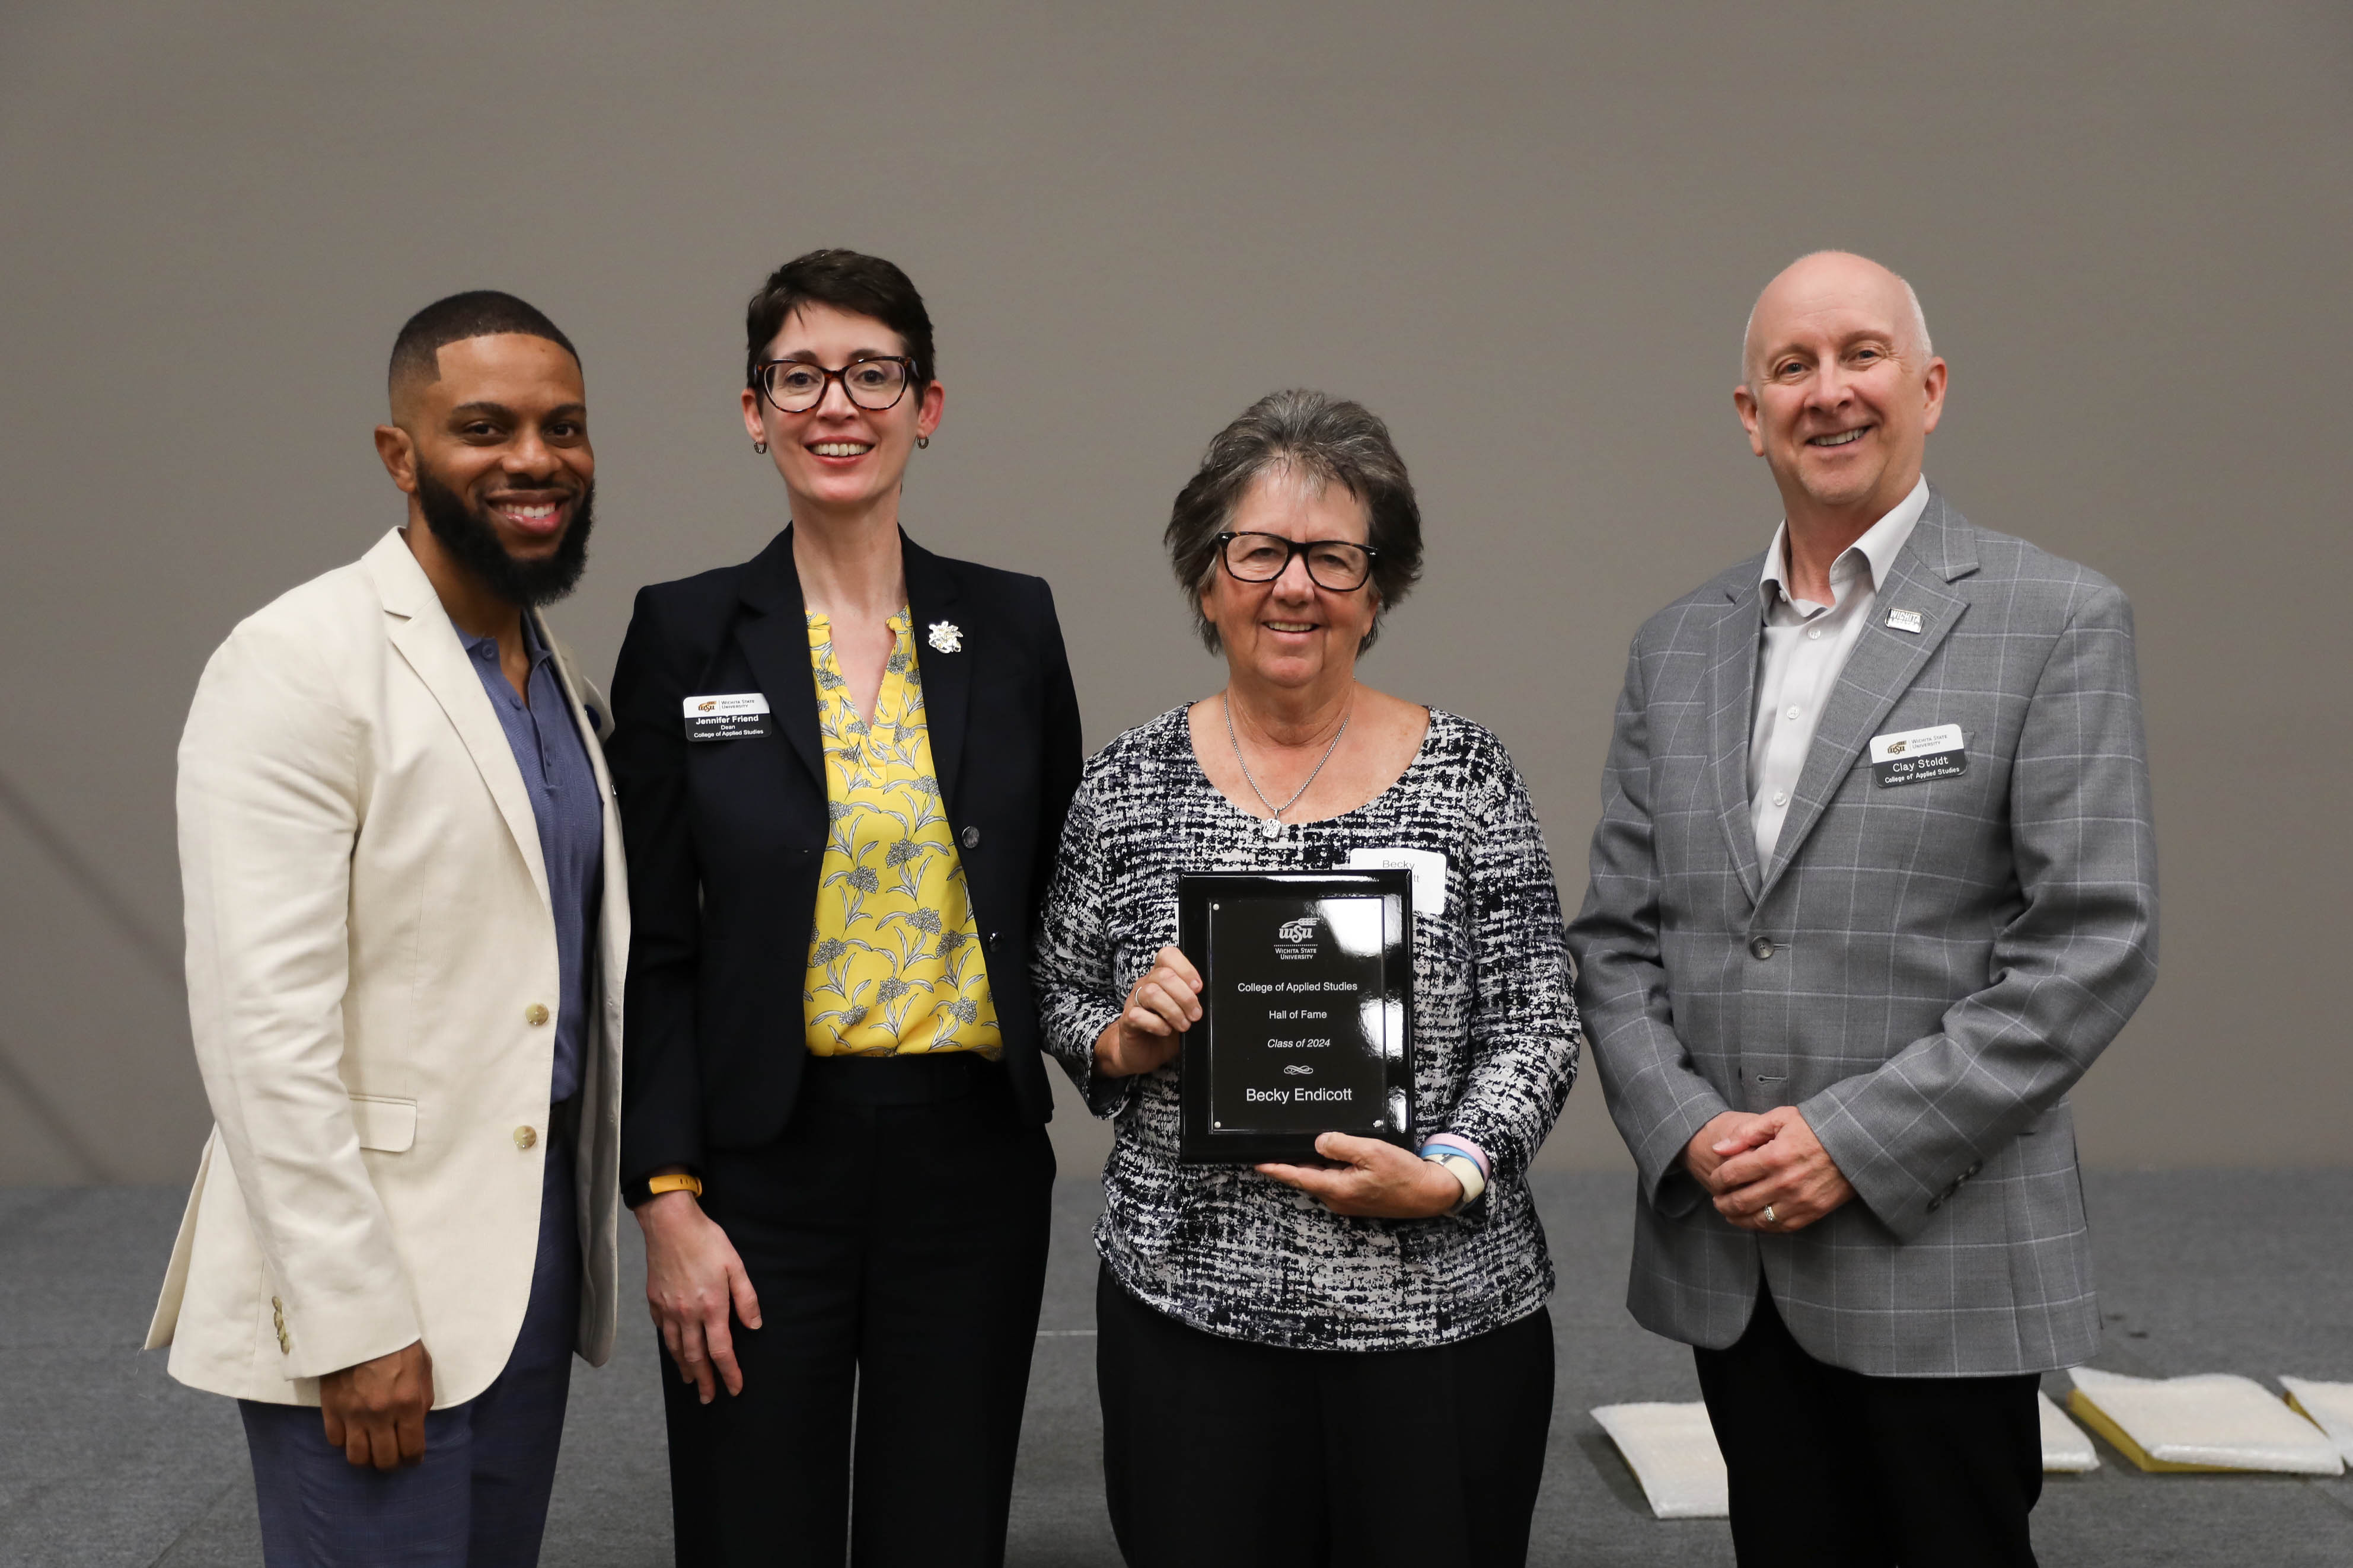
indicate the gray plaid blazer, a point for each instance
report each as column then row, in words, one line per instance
column 1924, row 970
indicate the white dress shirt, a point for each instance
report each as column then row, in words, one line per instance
column 1806, row 647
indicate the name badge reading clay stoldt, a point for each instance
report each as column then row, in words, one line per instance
column 1306, row 1012
column 735, row 716
column 1917, row 756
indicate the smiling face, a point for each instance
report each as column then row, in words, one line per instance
column 837, row 458
column 1292, row 632
column 495, row 453
column 1840, row 391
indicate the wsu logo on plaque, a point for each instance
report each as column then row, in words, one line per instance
column 1296, row 939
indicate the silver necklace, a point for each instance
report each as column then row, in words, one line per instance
column 1274, row 829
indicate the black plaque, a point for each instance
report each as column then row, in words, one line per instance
column 1306, row 1012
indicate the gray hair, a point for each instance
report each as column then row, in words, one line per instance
column 1919, row 322
column 1318, row 437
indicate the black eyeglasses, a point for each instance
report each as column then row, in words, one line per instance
column 1337, row 564
column 797, row 385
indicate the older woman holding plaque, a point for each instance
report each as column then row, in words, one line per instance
column 1346, row 1360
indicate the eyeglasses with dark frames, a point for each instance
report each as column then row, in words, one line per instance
column 797, row 385
column 1340, row 566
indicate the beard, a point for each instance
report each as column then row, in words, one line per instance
column 467, row 533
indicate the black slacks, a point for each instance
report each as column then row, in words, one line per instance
column 896, row 1236
column 1221, row 1451
column 1831, row 1469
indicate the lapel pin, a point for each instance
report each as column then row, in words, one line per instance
column 1902, row 620
column 948, row 637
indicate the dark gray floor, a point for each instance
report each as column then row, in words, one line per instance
column 104, row 1461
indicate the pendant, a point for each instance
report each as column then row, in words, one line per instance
column 1273, row 828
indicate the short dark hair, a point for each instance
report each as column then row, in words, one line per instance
column 477, row 313
column 846, row 280
column 1313, row 434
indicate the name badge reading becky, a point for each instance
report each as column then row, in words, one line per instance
column 1915, row 756
column 739, row 716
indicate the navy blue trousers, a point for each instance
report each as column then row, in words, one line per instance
column 480, row 1497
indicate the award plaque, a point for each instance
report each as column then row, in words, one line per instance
column 1306, row 1012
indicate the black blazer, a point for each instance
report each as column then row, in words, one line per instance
column 726, row 838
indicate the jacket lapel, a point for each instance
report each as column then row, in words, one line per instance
column 932, row 597
column 1884, row 664
column 577, row 693
column 1732, row 700
column 613, row 911
column 775, row 640
column 420, row 629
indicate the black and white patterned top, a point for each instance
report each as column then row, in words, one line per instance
column 1495, row 1048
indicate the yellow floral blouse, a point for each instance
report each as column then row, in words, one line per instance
column 895, row 964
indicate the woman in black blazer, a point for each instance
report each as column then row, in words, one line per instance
column 843, row 767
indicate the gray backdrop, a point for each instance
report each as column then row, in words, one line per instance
column 1526, row 235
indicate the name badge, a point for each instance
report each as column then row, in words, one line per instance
column 1917, row 756
column 1428, row 867
column 737, row 716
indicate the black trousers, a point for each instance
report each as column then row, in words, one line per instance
column 1831, row 1469
column 1221, row 1451
column 896, row 1236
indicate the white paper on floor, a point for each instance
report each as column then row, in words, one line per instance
column 2330, row 1405
column 1672, row 1450
column 2066, row 1447
column 2213, row 1418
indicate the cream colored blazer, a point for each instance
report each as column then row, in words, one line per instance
column 372, row 987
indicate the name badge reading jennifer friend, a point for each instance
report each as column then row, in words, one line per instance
column 738, row 716
column 1917, row 756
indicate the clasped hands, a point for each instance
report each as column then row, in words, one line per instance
column 1367, row 1178
column 1750, row 1164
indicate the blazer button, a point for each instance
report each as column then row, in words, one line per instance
column 1762, row 947
column 525, row 1137
column 534, row 1015
column 997, row 942
column 969, row 838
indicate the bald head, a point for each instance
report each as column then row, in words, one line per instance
column 1835, row 279
column 1838, row 391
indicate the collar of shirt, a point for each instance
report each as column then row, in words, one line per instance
column 1874, row 552
column 535, row 652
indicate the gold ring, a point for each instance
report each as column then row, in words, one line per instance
column 1769, row 1215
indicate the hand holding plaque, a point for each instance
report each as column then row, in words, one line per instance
column 1306, row 1002
column 1151, row 1023
column 1369, row 1179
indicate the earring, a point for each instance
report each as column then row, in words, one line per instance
column 922, row 441
column 760, row 448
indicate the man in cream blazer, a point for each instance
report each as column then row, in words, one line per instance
column 407, row 934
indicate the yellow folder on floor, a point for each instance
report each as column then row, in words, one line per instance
column 2214, row 1422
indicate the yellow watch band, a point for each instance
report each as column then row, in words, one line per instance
column 676, row 1182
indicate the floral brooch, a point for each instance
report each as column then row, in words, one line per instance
column 947, row 636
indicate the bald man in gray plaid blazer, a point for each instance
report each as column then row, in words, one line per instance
column 1838, row 987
